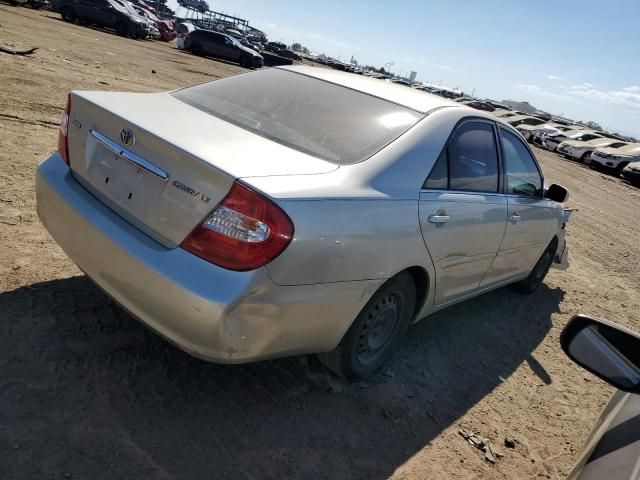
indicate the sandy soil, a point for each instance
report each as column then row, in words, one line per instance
column 87, row 392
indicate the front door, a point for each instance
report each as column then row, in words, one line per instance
column 462, row 211
column 531, row 218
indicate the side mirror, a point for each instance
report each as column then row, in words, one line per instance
column 557, row 193
column 607, row 350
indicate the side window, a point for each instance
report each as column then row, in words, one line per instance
column 439, row 176
column 521, row 173
column 469, row 162
column 473, row 159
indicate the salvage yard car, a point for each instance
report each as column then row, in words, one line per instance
column 582, row 149
column 219, row 45
column 296, row 210
column 106, row 13
column 616, row 158
column 632, row 173
column 551, row 141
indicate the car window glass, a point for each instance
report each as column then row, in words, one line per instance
column 521, row 173
column 473, row 159
column 337, row 124
column 439, row 176
column 117, row 6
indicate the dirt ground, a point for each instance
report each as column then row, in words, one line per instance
column 87, row 392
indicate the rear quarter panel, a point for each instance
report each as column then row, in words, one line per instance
column 361, row 221
column 350, row 239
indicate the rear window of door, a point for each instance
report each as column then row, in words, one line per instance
column 522, row 176
column 469, row 162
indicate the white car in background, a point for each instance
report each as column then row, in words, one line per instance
column 538, row 134
column 524, row 120
column 529, row 131
column 616, row 158
column 183, row 30
column 582, row 150
column 504, row 113
column 632, row 173
column 552, row 141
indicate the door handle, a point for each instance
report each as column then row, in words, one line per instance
column 515, row 218
column 438, row 218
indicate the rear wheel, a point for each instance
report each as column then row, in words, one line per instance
column 376, row 331
column 68, row 15
column 540, row 270
column 586, row 159
column 196, row 49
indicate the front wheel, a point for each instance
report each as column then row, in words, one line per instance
column 68, row 15
column 540, row 270
column 122, row 29
column 376, row 331
column 196, row 49
column 621, row 167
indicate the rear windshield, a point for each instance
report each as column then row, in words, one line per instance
column 328, row 121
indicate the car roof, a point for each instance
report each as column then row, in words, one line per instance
column 412, row 98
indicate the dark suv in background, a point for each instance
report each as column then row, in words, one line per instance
column 105, row 13
column 219, row 45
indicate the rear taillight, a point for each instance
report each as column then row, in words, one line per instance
column 63, row 137
column 244, row 232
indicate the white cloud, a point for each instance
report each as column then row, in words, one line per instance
column 553, row 77
column 299, row 35
column 427, row 63
column 535, row 90
column 530, row 89
column 628, row 97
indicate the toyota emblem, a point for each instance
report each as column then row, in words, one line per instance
column 127, row 137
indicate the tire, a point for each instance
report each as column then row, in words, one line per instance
column 68, row 15
column 376, row 331
column 586, row 159
column 196, row 49
column 539, row 272
column 245, row 62
column 122, row 29
column 621, row 167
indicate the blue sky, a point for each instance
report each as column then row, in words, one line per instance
column 578, row 58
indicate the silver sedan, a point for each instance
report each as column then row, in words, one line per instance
column 295, row 210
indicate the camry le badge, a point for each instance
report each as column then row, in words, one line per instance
column 127, row 137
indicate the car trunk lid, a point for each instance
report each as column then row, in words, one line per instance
column 164, row 165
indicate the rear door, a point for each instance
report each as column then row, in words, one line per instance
column 92, row 10
column 462, row 211
column 215, row 45
column 227, row 48
column 531, row 218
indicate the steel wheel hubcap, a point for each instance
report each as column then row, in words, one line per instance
column 376, row 331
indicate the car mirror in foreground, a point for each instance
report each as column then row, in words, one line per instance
column 607, row 350
column 557, row 193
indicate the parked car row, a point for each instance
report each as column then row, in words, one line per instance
column 594, row 148
column 220, row 45
column 132, row 19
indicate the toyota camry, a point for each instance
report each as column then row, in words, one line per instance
column 296, row 210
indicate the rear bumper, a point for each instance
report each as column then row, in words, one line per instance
column 210, row 312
